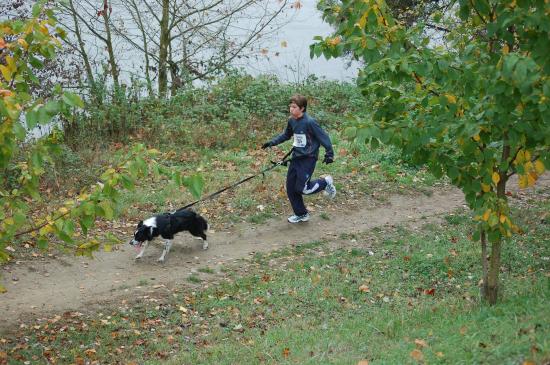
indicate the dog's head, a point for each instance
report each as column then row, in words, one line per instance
column 199, row 227
column 143, row 233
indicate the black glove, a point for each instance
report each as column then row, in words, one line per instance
column 328, row 159
column 265, row 145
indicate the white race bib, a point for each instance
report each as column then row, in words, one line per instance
column 299, row 140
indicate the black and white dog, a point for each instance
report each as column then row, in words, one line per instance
column 167, row 225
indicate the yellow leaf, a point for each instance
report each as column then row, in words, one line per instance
column 6, row 73
column 502, row 218
column 23, row 43
column 334, row 41
column 10, row 61
column 451, row 98
column 363, row 21
column 527, row 155
column 486, row 215
column 520, row 157
column 495, row 177
column 476, row 138
column 5, row 93
column 523, row 181
column 108, row 248
column 2, row 289
column 506, row 49
column 284, row 44
column 486, row 188
column 531, row 179
column 539, row 167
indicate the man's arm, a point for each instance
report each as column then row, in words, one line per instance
column 323, row 139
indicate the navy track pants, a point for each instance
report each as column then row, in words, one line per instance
column 298, row 183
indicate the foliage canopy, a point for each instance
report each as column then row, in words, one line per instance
column 474, row 106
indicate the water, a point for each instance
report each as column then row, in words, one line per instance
column 288, row 58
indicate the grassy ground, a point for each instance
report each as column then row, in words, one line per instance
column 389, row 296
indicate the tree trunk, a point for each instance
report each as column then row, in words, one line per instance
column 491, row 294
column 145, row 48
column 112, row 61
column 484, row 264
column 87, row 66
column 163, row 49
column 494, row 269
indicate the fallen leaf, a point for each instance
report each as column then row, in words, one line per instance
column 364, row 289
column 420, row 343
column 417, row 355
column 286, row 352
column 430, row 291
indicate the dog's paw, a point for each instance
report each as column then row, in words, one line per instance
column 205, row 245
column 137, row 258
column 161, row 260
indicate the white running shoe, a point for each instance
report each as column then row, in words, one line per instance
column 330, row 190
column 298, row 218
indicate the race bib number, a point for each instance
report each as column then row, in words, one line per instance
column 299, row 140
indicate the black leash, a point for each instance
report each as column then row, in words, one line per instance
column 283, row 162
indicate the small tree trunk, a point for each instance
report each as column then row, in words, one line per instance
column 494, row 269
column 96, row 95
column 491, row 294
column 112, row 60
column 484, row 264
column 145, row 48
column 163, row 49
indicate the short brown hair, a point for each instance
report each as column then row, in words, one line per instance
column 299, row 100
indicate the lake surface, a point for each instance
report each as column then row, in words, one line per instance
column 289, row 59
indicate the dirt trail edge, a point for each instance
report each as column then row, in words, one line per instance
column 56, row 285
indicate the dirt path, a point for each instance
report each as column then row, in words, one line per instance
column 68, row 284
column 57, row 284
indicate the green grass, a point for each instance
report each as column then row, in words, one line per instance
column 193, row 278
column 206, row 270
column 395, row 292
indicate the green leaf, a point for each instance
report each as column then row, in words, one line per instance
column 106, row 209
column 37, row 7
column 32, row 119
column 42, row 243
column 194, row 184
column 72, row 99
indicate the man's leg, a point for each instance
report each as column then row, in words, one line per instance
column 294, row 194
column 304, row 183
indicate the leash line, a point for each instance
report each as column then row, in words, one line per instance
column 284, row 162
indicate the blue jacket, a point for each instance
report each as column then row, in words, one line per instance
column 308, row 136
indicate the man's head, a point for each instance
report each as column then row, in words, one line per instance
column 297, row 105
